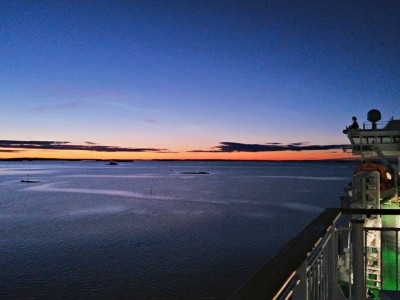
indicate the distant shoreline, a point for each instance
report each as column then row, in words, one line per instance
column 166, row 160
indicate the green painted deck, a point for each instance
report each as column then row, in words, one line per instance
column 389, row 255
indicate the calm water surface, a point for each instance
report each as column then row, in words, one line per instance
column 145, row 230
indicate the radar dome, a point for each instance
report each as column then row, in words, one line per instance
column 374, row 115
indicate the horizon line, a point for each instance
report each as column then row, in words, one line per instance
column 171, row 159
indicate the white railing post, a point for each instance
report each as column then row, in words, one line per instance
column 357, row 230
column 301, row 291
column 332, row 260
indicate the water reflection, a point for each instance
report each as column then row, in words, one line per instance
column 145, row 231
column 52, row 187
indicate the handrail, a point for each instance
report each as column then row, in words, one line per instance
column 380, row 125
column 271, row 280
column 369, row 212
column 267, row 282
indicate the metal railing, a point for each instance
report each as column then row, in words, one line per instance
column 307, row 266
column 379, row 125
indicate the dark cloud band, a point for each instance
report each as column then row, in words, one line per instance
column 270, row 147
column 62, row 145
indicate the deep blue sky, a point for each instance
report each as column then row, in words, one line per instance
column 188, row 75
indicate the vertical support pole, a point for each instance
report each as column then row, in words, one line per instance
column 331, row 261
column 381, row 262
column 396, row 174
column 364, row 193
column 359, row 289
column 397, row 260
column 301, row 291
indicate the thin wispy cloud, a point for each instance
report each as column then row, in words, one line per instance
column 151, row 121
column 60, row 107
column 62, row 91
column 91, row 143
column 269, row 147
column 63, row 145
column 120, row 105
column 81, row 97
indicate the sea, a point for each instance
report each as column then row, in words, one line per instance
column 152, row 229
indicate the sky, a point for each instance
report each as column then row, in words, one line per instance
column 193, row 79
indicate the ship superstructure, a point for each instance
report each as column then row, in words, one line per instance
column 374, row 186
column 350, row 252
column 378, row 145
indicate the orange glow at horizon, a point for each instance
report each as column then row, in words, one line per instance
column 276, row 155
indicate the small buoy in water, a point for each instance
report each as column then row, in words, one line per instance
column 27, row 180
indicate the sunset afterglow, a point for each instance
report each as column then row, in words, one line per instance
column 242, row 80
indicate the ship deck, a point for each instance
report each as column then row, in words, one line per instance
column 390, row 255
